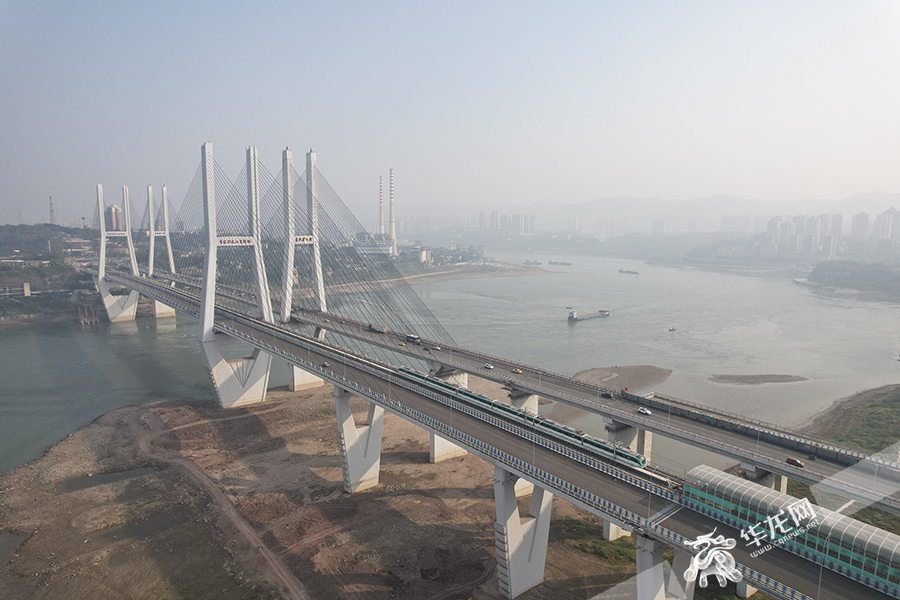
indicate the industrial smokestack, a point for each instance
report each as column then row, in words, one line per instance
column 380, row 229
column 393, row 227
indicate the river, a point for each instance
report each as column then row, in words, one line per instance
column 59, row 377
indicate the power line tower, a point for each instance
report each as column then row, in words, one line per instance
column 52, row 214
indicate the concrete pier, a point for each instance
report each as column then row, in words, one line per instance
column 162, row 311
column 639, row 441
column 302, row 380
column 650, row 585
column 523, row 400
column 237, row 381
column 521, row 542
column 765, row 478
column 678, row 588
column 360, row 447
column 440, row 448
column 745, row 590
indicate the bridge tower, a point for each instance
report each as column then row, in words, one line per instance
column 118, row 308
column 237, row 381
column 300, row 379
column 160, row 310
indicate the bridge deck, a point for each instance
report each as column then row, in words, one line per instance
column 779, row 565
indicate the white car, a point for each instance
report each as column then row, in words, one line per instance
column 436, row 348
column 488, row 366
column 644, row 411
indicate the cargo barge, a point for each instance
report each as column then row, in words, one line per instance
column 573, row 315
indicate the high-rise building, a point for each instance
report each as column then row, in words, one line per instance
column 393, row 226
column 859, row 227
column 114, row 219
column 837, row 226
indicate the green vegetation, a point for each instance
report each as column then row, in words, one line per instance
column 866, row 277
column 587, row 537
column 40, row 304
column 57, row 274
column 574, row 529
column 620, row 551
column 871, row 428
column 32, row 241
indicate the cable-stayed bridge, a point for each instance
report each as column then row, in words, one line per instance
column 300, row 279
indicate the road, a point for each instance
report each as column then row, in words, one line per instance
column 880, row 486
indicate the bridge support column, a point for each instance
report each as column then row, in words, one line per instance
column 441, row 448
column 118, row 308
column 360, row 447
column 638, row 440
column 237, row 381
column 765, row 478
column 649, row 569
column 521, row 543
column 301, row 380
column 162, row 311
column 679, row 588
column 745, row 590
column 611, row 531
column 524, row 401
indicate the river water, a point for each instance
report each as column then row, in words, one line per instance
column 59, row 377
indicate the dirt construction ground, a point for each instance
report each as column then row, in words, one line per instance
column 249, row 503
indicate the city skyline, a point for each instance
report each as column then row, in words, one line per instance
column 524, row 104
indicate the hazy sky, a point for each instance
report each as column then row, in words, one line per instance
column 472, row 103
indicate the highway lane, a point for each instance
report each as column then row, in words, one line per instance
column 872, row 485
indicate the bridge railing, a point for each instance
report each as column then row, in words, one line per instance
column 772, row 431
column 692, row 438
column 278, row 345
column 739, row 421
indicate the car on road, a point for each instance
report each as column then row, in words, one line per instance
column 517, row 371
column 326, row 364
column 606, row 395
column 402, row 344
column 644, row 411
column 436, row 348
column 488, row 366
column 793, row 461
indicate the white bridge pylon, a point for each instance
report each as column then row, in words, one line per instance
column 123, row 308
column 160, row 310
column 300, row 379
column 118, row 308
column 241, row 381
